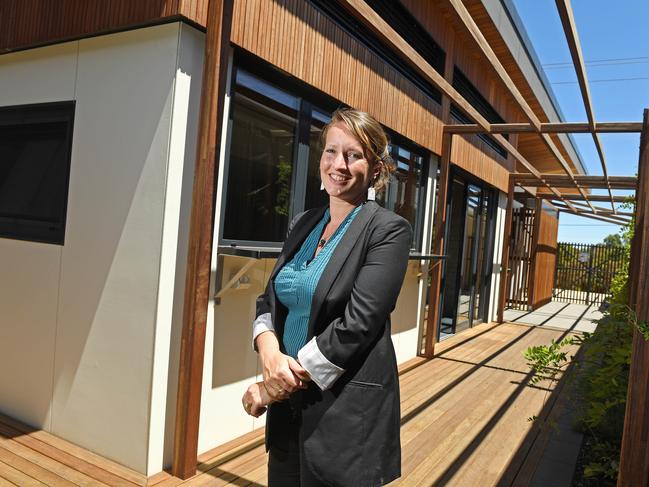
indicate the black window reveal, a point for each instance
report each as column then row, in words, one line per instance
column 35, row 152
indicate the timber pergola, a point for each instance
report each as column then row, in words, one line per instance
column 557, row 188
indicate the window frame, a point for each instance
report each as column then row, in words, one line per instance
column 33, row 229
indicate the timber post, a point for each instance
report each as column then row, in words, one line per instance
column 199, row 253
column 504, row 269
column 439, row 229
column 634, row 455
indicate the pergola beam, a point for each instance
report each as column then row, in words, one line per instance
column 578, row 197
column 548, row 128
column 605, row 210
column 464, row 18
column 570, row 29
column 602, row 218
column 559, row 180
column 618, row 220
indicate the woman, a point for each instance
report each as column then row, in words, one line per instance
column 323, row 325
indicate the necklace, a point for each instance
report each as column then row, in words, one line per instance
column 323, row 239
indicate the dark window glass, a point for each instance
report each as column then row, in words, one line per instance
column 315, row 197
column 35, row 148
column 262, row 152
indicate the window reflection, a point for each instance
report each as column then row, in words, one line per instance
column 264, row 122
column 403, row 193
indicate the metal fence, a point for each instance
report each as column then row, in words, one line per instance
column 584, row 272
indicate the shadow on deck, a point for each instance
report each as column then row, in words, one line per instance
column 464, row 423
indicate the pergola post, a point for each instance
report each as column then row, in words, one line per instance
column 439, row 229
column 199, row 253
column 634, row 456
column 504, row 269
column 531, row 281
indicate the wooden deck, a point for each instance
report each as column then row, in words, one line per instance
column 464, row 423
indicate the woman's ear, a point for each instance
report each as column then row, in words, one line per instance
column 377, row 170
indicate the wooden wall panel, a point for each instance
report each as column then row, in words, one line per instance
column 300, row 40
column 27, row 23
column 473, row 155
column 434, row 16
column 194, row 10
column 545, row 259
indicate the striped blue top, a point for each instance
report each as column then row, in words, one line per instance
column 296, row 282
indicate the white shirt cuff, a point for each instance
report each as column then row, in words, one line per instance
column 322, row 372
column 260, row 325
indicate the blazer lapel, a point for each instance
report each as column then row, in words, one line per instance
column 297, row 235
column 338, row 258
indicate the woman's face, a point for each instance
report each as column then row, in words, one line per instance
column 343, row 168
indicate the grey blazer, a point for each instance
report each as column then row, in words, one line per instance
column 350, row 430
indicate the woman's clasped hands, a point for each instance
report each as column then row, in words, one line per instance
column 283, row 375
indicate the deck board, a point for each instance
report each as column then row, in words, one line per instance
column 464, row 422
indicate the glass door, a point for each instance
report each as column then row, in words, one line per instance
column 471, row 256
column 468, row 253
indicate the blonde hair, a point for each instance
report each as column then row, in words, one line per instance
column 372, row 137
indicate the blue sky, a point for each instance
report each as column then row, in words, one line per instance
column 616, row 51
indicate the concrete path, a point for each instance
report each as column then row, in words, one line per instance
column 558, row 316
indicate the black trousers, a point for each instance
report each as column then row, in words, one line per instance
column 286, row 467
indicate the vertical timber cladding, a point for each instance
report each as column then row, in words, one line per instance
column 299, row 39
column 545, row 258
column 26, row 23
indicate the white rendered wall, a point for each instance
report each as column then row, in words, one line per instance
column 30, row 272
column 79, row 321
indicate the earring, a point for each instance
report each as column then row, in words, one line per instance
column 321, row 186
column 371, row 193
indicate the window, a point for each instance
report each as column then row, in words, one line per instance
column 35, row 151
column 273, row 162
column 261, row 161
column 405, row 192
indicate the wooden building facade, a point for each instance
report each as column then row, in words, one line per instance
column 136, row 267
